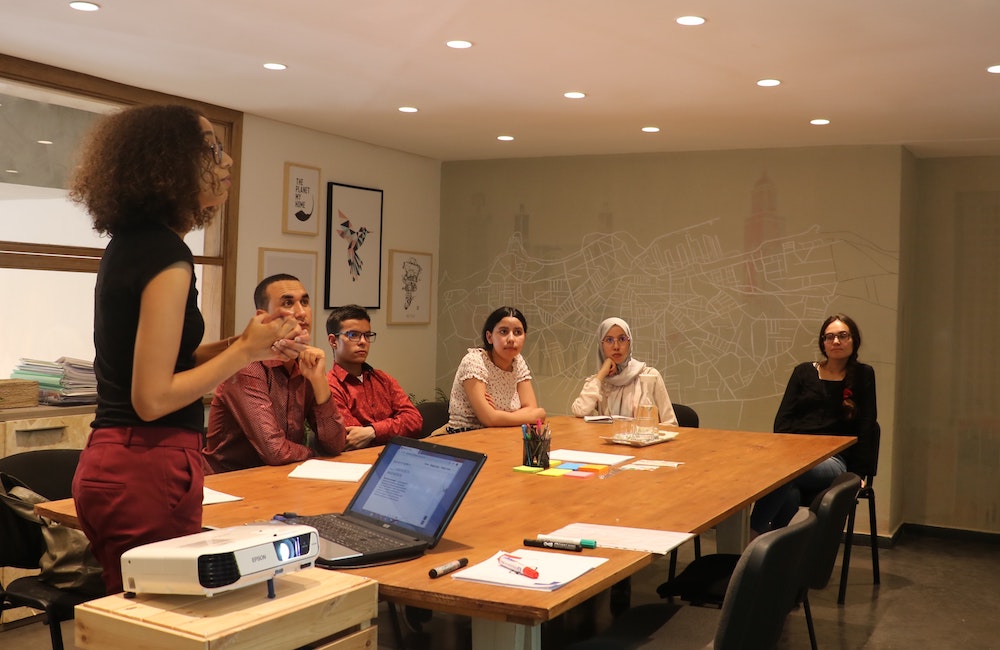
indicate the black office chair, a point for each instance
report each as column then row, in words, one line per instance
column 704, row 581
column 765, row 583
column 435, row 416
column 831, row 508
column 867, row 492
column 48, row 472
column 686, row 416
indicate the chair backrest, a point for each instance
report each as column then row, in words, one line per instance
column 21, row 541
column 686, row 416
column 49, row 472
column 435, row 416
column 831, row 507
column 764, row 586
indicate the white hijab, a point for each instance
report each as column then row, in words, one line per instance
column 626, row 372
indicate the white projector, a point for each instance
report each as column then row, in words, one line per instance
column 219, row 560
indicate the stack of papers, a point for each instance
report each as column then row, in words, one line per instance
column 327, row 470
column 554, row 570
column 625, row 538
column 64, row 381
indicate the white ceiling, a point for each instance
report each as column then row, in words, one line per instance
column 909, row 72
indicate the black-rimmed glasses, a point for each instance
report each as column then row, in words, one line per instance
column 840, row 336
column 354, row 336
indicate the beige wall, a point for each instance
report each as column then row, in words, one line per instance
column 411, row 186
column 724, row 263
column 949, row 418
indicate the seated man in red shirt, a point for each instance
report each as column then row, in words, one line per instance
column 259, row 415
column 373, row 405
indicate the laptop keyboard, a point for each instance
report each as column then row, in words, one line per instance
column 347, row 534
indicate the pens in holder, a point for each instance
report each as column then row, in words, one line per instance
column 513, row 563
column 536, row 441
column 560, row 546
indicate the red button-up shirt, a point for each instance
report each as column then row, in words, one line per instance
column 258, row 418
column 375, row 400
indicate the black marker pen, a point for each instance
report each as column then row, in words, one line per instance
column 445, row 569
column 544, row 543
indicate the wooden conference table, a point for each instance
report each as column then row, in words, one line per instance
column 722, row 474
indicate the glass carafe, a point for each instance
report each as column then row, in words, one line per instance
column 647, row 417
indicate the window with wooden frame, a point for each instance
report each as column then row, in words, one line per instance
column 49, row 254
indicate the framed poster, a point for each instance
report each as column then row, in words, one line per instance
column 353, row 246
column 301, row 264
column 410, row 275
column 301, row 200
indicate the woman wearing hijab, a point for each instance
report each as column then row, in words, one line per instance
column 616, row 388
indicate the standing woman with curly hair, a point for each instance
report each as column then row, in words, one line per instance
column 148, row 176
column 834, row 396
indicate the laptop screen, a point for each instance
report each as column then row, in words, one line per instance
column 416, row 486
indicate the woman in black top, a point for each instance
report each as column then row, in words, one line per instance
column 835, row 396
column 148, row 176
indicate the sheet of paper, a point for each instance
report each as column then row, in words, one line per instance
column 210, row 496
column 588, row 457
column 554, row 569
column 629, row 539
column 327, row 470
column 598, row 418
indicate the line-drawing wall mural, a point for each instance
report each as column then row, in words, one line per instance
column 724, row 327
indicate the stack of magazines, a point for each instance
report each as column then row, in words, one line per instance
column 62, row 382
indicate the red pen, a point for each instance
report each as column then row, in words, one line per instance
column 513, row 563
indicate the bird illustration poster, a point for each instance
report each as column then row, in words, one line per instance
column 301, row 200
column 353, row 246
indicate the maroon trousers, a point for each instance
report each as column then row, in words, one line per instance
column 134, row 486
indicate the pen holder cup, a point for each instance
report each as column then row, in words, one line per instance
column 535, row 452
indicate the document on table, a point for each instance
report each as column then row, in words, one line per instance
column 327, row 470
column 628, row 539
column 590, row 457
column 210, row 496
column 554, row 569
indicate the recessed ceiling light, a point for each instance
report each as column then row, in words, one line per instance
column 275, row 66
column 574, row 94
column 12, row 171
column 995, row 69
column 44, row 141
column 505, row 138
column 407, row 109
column 651, row 129
column 84, row 6
column 820, row 121
column 459, row 45
column 690, row 21
column 768, row 83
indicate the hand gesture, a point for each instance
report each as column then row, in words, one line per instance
column 608, row 369
column 312, row 363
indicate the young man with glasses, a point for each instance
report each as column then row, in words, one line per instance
column 259, row 416
column 372, row 403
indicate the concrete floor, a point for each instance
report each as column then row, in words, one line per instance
column 935, row 593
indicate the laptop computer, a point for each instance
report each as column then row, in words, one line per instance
column 401, row 508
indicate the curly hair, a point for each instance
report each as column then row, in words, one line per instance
column 848, row 407
column 145, row 164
